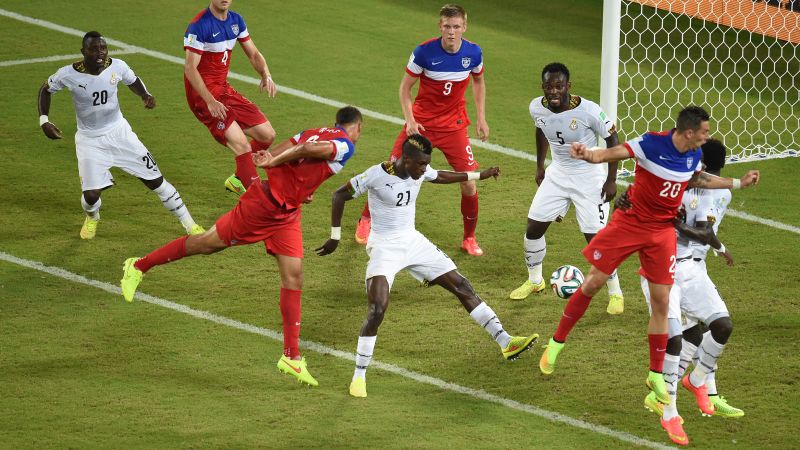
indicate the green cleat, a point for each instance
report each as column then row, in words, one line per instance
column 723, row 409
column 527, row 288
column 616, row 304
column 517, row 345
column 89, row 228
column 655, row 381
column 297, row 369
column 652, row 404
column 131, row 277
column 196, row 229
column 358, row 387
column 233, row 184
column 548, row 362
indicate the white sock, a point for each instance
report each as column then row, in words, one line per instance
column 687, row 356
column 613, row 284
column 92, row 211
column 711, row 382
column 707, row 356
column 670, row 370
column 535, row 249
column 366, row 344
column 171, row 199
column 485, row 317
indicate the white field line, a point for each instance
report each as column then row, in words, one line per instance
column 74, row 57
column 320, row 348
column 337, row 104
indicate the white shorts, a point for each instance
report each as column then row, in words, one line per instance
column 558, row 190
column 413, row 252
column 121, row 148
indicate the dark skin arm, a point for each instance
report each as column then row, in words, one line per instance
column 139, row 89
column 449, row 177
column 49, row 129
column 610, row 186
column 342, row 195
column 541, row 154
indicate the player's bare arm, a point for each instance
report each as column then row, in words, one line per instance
column 708, row 181
column 542, row 144
column 342, row 195
column 598, row 155
column 314, row 150
column 407, row 103
column 703, row 232
column 217, row 109
column 448, row 177
column 140, row 89
column 479, row 92
column 260, row 65
column 610, row 186
column 49, row 129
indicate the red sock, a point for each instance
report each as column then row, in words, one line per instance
column 246, row 170
column 658, row 346
column 469, row 211
column 258, row 145
column 291, row 310
column 173, row 251
column 365, row 212
column 573, row 312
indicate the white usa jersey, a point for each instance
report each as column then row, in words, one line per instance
column 582, row 122
column 701, row 205
column 392, row 200
column 94, row 96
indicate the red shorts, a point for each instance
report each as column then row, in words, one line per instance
column 259, row 217
column 623, row 236
column 240, row 110
column 454, row 144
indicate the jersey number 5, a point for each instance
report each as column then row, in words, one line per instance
column 670, row 190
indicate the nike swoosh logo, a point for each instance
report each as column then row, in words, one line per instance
column 512, row 349
column 678, row 438
column 664, row 159
column 215, row 34
column 661, row 349
column 296, row 369
column 434, row 63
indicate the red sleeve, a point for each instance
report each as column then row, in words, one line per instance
column 415, row 75
column 483, row 69
column 333, row 151
column 630, row 150
column 193, row 50
column 244, row 39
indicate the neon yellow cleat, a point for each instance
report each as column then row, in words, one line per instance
column 548, row 362
column 233, row 184
column 358, row 387
column 655, row 381
column 652, row 404
column 723, row 409
column 616, row 304
column 517, row 345
column 297, row 369
column 131, row 277
column 527, row 288
column 89, row 228
column 196, row 229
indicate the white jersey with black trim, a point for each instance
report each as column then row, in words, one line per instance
column 583, row 122
column 715, row 203
column 94, row 96
column 392, row 200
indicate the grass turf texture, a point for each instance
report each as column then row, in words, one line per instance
column 84, row 369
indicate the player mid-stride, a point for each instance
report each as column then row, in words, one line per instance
column 104, row 138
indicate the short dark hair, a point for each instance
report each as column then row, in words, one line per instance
column 714, row 155
column 452, row 10
column 90, row 35
column 417, row 143
column 556, row 67
column 348, row 115
column 690, row 118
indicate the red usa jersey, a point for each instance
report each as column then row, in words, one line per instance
column 214, row 40
column 293, row 182
column 661, row 176
column 443, row 80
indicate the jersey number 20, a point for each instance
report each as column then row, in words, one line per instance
column 670, row 189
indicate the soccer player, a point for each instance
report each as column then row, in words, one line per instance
column 561, row 119
column 229, row 116
column 104, row 138
column 443, row 67
column 667, row 162
column 270, row 213
column 395, row 244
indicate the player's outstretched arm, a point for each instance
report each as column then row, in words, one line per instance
column 49, row 128
column 598, row 155
column 260, row 65
column 448, row 177
column 313, row 150
column 609, row 190
column 342, row 195
column 140, row 89
column 708, row 181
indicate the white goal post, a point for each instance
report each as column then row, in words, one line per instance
column 738, row 59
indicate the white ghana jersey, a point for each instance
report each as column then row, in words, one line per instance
column 392, row 200
column 702, row 205
column 583, row 122
column 94, row 96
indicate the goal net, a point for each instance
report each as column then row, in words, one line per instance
column 738, row 59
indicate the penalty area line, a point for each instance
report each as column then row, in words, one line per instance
column 324, row 349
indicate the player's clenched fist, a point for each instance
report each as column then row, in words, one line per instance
column 750, row 178
column 490, row 172
column 51, row 131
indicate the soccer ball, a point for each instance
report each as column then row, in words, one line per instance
column 566, row 280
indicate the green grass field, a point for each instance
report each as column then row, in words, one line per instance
column 80, row 368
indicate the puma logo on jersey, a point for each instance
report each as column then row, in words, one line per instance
column 82, row 86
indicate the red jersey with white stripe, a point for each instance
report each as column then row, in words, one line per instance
column 293, row 182
column 661, row 176
column 214, row 40
column 443, row 80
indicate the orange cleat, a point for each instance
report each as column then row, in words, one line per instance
column 362, row 230
column 470, row 245
column 674, row 428
column 700, row 395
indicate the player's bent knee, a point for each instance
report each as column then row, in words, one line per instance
column 91, row 197
column 721, row 329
